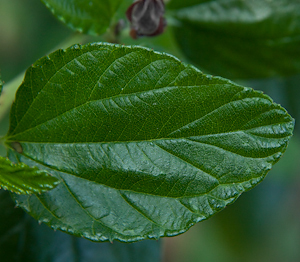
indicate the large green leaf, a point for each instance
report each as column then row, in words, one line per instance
column 22, row 179
column 87, row 16
column 145, row 145
column 240, row 39
column 22, row 239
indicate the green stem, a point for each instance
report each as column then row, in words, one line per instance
column 9, row 90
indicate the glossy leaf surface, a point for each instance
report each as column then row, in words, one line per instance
column 145, row 145
column 22, row 179
column 240, row 39
column 86, row 16
column 22, row 239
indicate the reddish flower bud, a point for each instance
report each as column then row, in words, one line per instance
column 146, row 18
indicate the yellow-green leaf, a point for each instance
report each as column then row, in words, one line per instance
column 22, row 179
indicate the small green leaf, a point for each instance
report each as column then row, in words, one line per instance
column 240, row 39
column 86, row 16
column 145, row 146
column 22, row 179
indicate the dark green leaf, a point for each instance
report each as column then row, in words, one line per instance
column 145, row 145
column 86, row 16
column 177, row 4
column 10, row 227
column 240, row 39
column 22, row 179
column 23, row 240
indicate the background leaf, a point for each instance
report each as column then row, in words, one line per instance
column 145, row 145
column 86, row 16
column 177, row 4
column 1, row 86
column 240, row 39
column 22, row 179
column 291, row 87
column 23, row 240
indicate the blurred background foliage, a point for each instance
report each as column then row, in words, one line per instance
column 263, row 224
